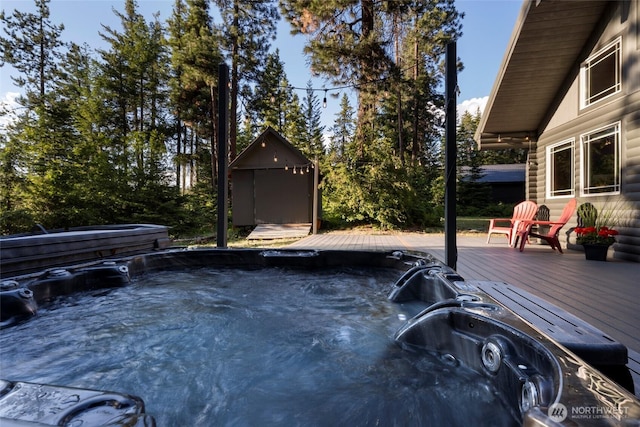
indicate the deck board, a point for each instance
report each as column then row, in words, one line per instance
column 279, row 231
column 604, row 294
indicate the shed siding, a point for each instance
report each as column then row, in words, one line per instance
column 243, row 202
column 282, row 200
column 568, row 122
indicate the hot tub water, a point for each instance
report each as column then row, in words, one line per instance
column 251, row 347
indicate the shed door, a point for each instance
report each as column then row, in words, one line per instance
column 242, row 197
column 281, row 197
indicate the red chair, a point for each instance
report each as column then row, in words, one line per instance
column 524, row 211
column 551, row 236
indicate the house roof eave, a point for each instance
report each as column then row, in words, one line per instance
column 547, row 40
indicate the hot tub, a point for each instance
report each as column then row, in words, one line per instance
column 417, row 344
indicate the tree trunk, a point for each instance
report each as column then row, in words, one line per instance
column 233, row 114
column 396, row 36
column 365, row 99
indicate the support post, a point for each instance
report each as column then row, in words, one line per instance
column 223, row 161
column 314, row 215
column 451, row 83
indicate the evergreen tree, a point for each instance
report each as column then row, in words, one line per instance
column 313, row 130
column 274, row 103
column 295, row 126
column 33, row 48
column 132, row 79
column 41, row 142
column 467, row 149
column 15, row 215
column 342, row 131
column 271, row 94
column 472, row 194
column 353, row 42
column 176, row 43
column 248, row 28
column 195, row 57
column 95, row 136
column 347, row 45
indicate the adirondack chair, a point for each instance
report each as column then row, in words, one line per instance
column 550, row 235
column 523, row 211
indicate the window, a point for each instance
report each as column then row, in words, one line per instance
column 601, row 160
column 600, row 74
column 561, row 169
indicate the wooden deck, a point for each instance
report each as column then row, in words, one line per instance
column 279, row 231
column 605, row 294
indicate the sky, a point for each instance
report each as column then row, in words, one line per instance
column 487, row 28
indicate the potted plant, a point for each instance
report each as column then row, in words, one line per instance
column 597, row 234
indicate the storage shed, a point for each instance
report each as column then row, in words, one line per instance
column 272, row 182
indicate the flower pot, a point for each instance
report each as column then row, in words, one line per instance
column 596, row 252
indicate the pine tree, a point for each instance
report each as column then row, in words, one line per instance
column 15, row 216
column 346, row 44
column 195, row 57
column 313, row 130
column 391, row 53
column 342, row 132
column 33, row 48
column 91, row 169
column 42, row 140
column 132, row 79
column 472, row 194
column 271, row 94
column 176, row 43
column 295, row 127
column 248, row 26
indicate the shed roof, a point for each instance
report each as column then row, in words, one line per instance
column 248, row 158
column 542, row 58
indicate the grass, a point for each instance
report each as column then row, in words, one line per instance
column 480, row 225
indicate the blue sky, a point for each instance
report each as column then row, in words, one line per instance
column 487, row 29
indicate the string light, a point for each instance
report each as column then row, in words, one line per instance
column 275, row 156
column 359, row 85
column 297, row 169
column 263, row 144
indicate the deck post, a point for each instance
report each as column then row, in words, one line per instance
column 451, row 83
column 314, row 215
column 223, row 162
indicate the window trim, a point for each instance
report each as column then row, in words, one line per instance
column 550, row 150
column 586, row 66
column 617, row 132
